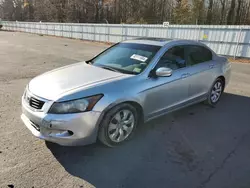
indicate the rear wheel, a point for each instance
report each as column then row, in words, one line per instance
column 118, row 125
column 215, row 92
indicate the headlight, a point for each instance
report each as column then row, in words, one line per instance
column 75, row 106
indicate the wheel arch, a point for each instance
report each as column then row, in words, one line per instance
column 135, row 104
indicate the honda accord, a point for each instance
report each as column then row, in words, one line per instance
column 130, row 83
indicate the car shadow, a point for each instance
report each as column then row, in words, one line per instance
column 170, row 150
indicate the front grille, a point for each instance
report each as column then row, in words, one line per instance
column 35, row 103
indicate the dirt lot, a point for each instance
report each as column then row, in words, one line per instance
column 196, row 147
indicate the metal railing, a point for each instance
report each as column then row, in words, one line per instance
column 225, row 40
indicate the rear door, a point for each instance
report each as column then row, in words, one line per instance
column 201, row 70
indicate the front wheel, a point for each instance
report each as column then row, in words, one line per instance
column 118, row 125
column 215, row 92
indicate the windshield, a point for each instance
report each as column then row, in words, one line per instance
column 127, row 58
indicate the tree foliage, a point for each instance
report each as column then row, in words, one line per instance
column 128, row 11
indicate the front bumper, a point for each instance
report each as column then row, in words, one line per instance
column 63, row 129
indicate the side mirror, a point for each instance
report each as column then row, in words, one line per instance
column 163, row 72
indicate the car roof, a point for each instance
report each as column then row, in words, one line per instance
column 161, row 41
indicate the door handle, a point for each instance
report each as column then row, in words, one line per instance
column 211, row 66
column 185, row 75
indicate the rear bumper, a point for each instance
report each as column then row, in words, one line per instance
column 66, row 129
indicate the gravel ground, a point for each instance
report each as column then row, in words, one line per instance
column 196, row 147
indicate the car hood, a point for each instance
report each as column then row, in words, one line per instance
column 53, row 84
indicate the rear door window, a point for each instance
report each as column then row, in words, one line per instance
column 198, row 54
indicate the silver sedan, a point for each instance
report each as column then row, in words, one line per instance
column 130, row 83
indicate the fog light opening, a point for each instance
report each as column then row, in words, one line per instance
column 61, row 133
column 70, row 133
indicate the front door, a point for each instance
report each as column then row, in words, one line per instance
column 166, row 93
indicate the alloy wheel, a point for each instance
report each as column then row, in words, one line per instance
column 216, row 92
column 121, row 126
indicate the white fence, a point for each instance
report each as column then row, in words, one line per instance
column 224, row 40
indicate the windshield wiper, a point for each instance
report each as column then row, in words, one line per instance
column 116, row 69
column 110, row 68
column 89, row 62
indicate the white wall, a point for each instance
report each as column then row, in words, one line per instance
column 224, row 40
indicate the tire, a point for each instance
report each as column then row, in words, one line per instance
column 111, row 127
column 215, row 92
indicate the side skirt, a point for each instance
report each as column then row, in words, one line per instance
column 178, row 107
